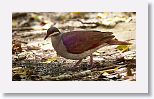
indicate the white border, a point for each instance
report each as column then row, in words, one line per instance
column 9, row 86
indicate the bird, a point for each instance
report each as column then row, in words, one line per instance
column 77, row 45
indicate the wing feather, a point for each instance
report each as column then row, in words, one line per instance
column 77, row 42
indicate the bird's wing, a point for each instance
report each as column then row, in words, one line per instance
column 77, row 42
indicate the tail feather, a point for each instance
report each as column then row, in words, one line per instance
column 116, row 42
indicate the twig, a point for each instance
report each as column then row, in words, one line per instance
column 25, row 28
column 69, row 76
column 96, row 23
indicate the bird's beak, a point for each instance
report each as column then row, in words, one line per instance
column 46, row 37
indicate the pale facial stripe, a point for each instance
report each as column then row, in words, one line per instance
column 55, row 33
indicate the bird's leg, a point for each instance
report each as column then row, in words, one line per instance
column 75, row 67
column 78, row 63
column 91, row 60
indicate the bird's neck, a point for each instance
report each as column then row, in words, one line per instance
column 56, row 40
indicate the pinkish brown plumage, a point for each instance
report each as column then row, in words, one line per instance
column 77, row 42
column 77, row 45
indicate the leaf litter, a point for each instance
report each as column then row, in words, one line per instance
column 35, row 59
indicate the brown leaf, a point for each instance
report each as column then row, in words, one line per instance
column 16, row 46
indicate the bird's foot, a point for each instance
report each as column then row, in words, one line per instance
column 76, row 67
column 93, row 66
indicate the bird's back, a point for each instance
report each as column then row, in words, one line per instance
column 77, row 42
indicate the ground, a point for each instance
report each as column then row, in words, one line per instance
column 34, row 58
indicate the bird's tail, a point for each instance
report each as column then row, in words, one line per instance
column 116, row 42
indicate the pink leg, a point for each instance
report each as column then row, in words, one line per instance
column 91, row 60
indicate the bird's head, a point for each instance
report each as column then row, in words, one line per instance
column 53, row 31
